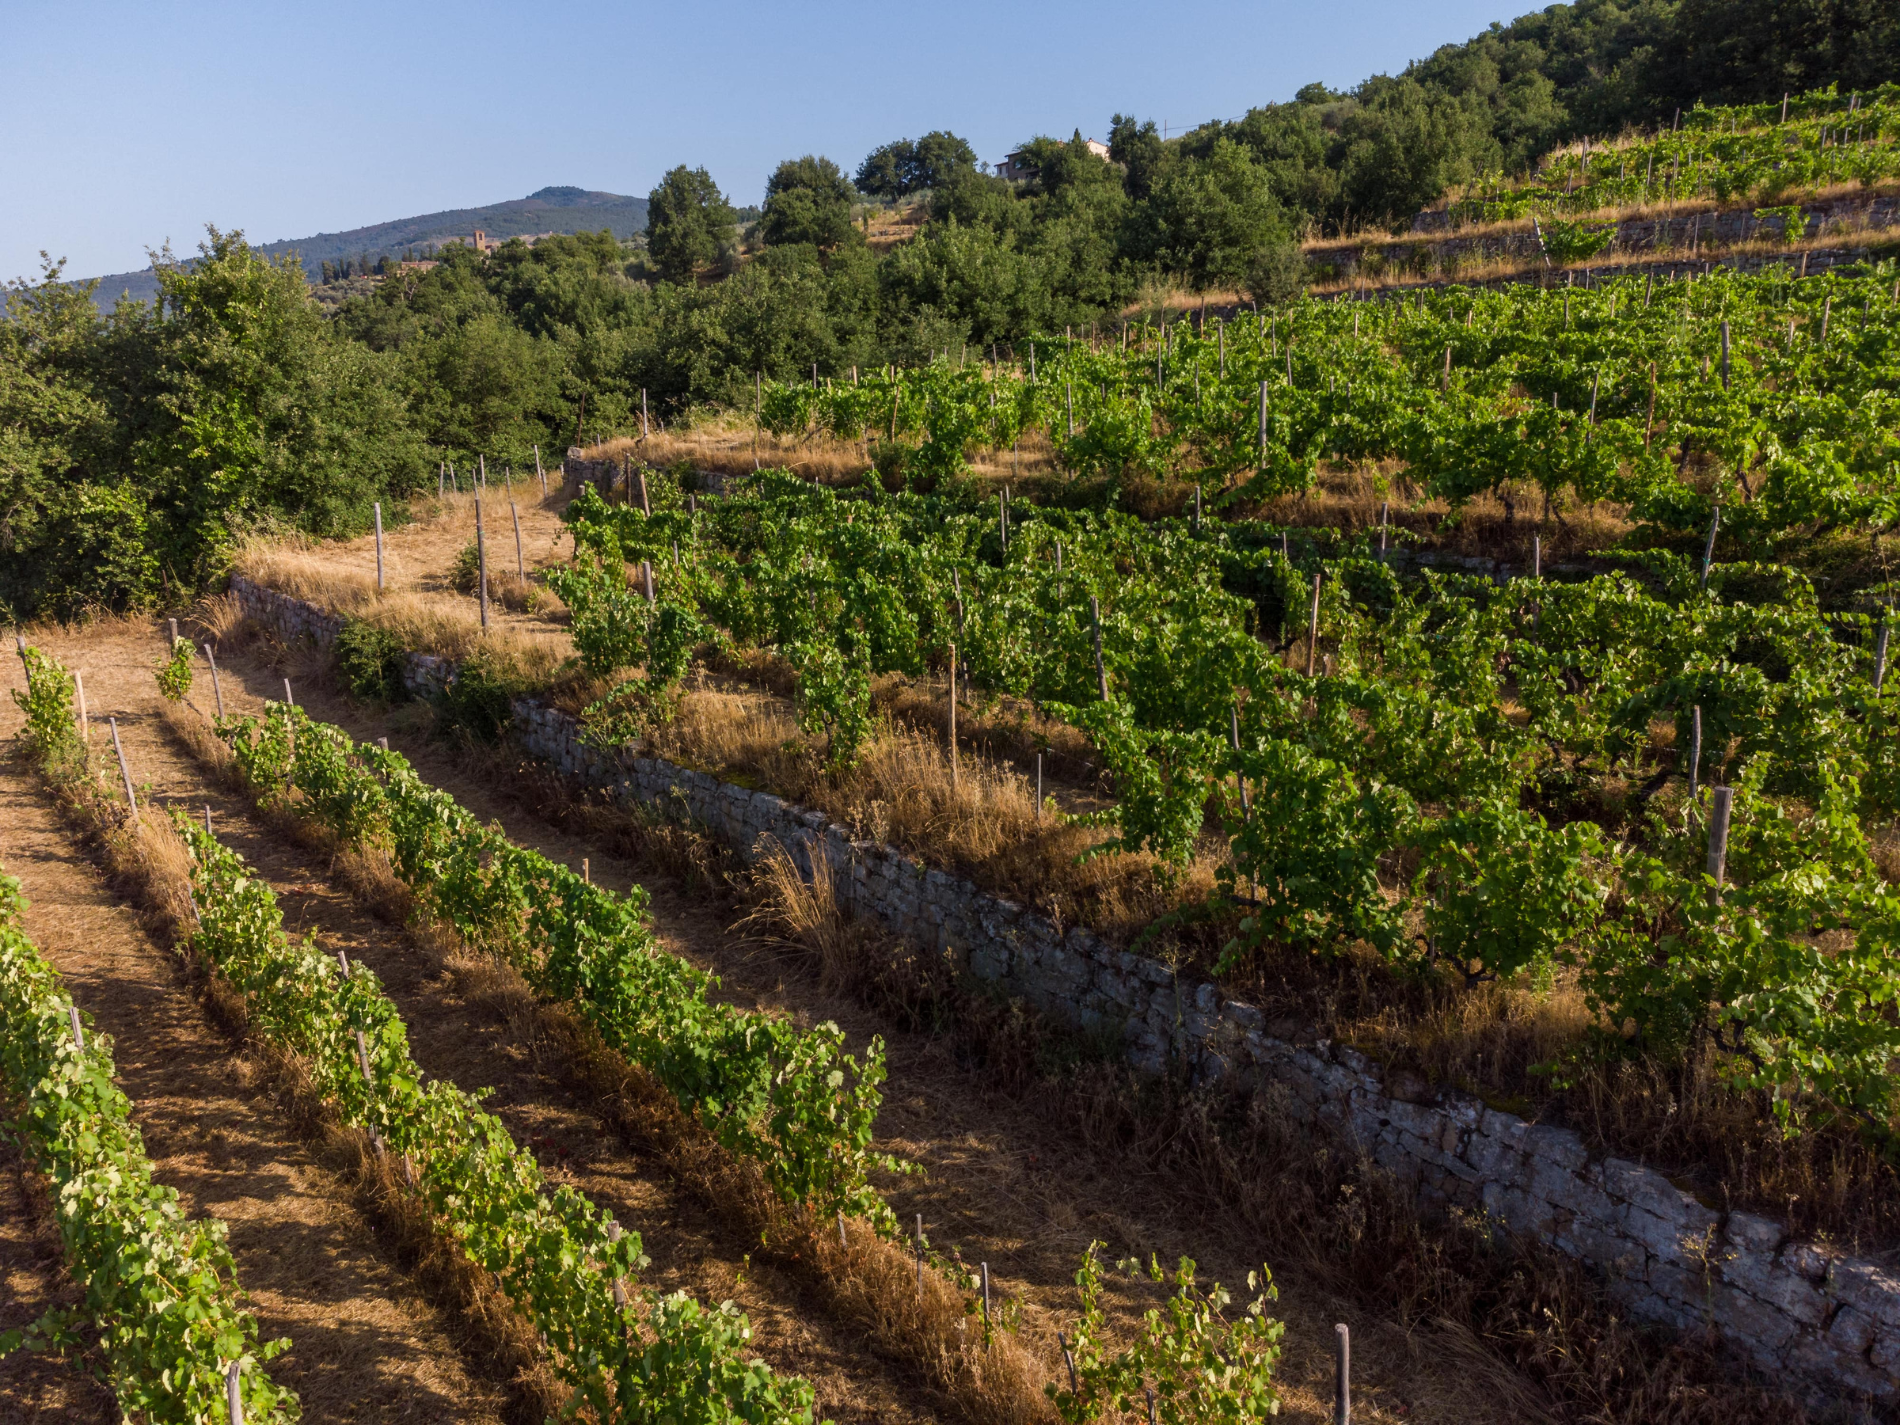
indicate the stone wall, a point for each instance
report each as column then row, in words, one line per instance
column 1798, row 1311
column 1641, row 243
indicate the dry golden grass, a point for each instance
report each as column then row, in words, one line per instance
column 982, row 822
column 439, row 622
column 726, row 443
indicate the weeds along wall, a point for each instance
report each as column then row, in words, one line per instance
column 1794, row 1309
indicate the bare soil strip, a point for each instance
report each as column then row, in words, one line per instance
column 999, row 1185
column 365, row 1347
column 458, row 1033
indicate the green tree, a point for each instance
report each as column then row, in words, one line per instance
column 808, row 200
column 909, row 166
column 1208, row 217
column 688, row 222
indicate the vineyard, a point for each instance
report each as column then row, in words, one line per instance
column 1771, row 154
column 1479, row 694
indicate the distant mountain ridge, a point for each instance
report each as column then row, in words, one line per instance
column 556, row 209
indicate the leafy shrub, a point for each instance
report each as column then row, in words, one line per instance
column 370, row 660
column 1568, row 241
column 174, row 674
column 1202, row 1367
column 465, row 574
column 479, row 699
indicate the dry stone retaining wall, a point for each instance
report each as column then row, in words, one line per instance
column 1637, row 239
column 1794, row 1309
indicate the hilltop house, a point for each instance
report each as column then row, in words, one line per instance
column 1016, row 166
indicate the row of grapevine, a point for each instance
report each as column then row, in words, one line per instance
column 1401, row 754
column 1825, row 138
column 1203, row 1366
column 160, row 1289
column 790, row 1100
column 562, row 1261
column 1781, row 388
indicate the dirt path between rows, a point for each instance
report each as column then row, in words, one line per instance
column 1000, row 1184
column 365, row 1345
column 470, row 1045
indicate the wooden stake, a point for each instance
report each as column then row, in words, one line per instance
column 1649, row 421
column 1342, row 1375
column 1723, row 799
column 952, row 724
column 640, row 486
column 1537, row 556
column 1880, row 660
column 1827, row 310
column 1385, row 519
column 79, row 1034
column 379, row 546
column 643, row 413
column 289, row 701
column 481, row 561
column 1095, row 628
column 217, row 685
column 1725, row 353
column 521, row 568
column 1708, row 550
column 1695, row 750
column 233, row 1400
column 125, row 772
column 1068, row 1359
column 79, row 687
column 1197, row 507
column 174, row 638
column 1312, row 633
column 986, row 1294
column 540, row 473
column 587, row 877
column 646, row 578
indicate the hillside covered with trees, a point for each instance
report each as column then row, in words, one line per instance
column 134, row 446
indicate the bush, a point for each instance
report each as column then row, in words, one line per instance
column 174, row 674
column 479, row 699
column 1277, row 274
column 370, row 660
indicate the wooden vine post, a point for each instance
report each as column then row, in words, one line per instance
column 481, row 561
column 951, row 716
column 1342, row 1375
column 379, row 546
column 1095, row 631
column 1312, row 631
column 1723, row 799
column 125, row 772
column 217, row 686
column 521, row 568
column 1695, row 750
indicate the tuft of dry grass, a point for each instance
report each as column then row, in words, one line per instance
column 980, row 820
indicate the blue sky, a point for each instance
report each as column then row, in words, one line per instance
column 129, row 124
